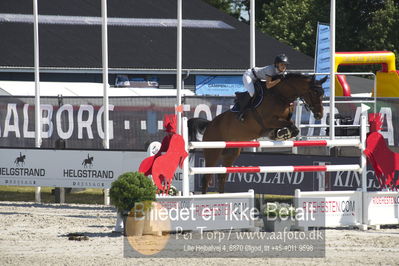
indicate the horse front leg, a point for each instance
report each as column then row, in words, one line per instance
column 285, row 129
column 229, row 156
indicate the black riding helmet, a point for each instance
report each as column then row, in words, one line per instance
column 281, row 58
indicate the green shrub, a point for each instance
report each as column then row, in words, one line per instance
column 132, row 188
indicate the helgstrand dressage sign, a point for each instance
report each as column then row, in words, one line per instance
column 65, row 168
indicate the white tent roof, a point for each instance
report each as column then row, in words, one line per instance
column 27, row 88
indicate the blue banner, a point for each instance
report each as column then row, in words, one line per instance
column 323, row 54
column 218, row 85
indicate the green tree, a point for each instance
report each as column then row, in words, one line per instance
column 291, row 22
column 353, row 19
column 383, row 27
column 361, row 25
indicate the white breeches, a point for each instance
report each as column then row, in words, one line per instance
column 248, row 82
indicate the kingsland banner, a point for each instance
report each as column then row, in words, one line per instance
column 286, row 183
column 137, row 121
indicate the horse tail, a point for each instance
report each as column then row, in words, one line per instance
column 195, row 126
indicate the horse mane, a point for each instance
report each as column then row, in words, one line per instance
column 289, row 76
column 297, row 75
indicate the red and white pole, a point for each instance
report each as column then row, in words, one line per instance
column 274, row 144
column 275, row 169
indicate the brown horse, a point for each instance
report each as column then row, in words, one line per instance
column 270, row 119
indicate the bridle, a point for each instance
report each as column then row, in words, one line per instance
column 317, row 88
column 314, row 88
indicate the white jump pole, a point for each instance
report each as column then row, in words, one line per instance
column 179, row 65
column 181, row 122
column 186, row 169
column 363, row 163
column 363, row 137
column 104, row 35
column 38, row 139
column 252, row 33
column 275, row 144
column 252, row 42
column 332, row 69
column 275, row 169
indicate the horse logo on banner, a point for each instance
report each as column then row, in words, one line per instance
column 88, row 161
column 20, row 160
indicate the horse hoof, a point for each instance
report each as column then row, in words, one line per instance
column 283, row 134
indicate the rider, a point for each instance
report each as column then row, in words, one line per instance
column 260, row 73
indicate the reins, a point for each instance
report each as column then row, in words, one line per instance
column 305, row 104
column 283, row 100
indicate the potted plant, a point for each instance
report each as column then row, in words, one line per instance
column 132, row 194
column 277, row 216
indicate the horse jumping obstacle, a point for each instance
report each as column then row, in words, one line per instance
column 361, row 167
column 275, row 144
column 358, row 203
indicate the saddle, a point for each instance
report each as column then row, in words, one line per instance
column 257, row 99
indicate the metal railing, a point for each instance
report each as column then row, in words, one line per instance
column 298, row 111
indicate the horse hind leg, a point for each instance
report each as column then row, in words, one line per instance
column 211, row 158
column 228, row 158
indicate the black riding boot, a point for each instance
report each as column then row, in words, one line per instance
column 243, row 99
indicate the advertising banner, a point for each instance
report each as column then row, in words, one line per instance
column 218, row 85
column 286, row 183
column 382, row 207
column 65, row 168
column 323, row 54
column 135, row 122
column 208, row 212
column 329, row 209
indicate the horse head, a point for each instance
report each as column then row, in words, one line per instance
column 311, row 92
